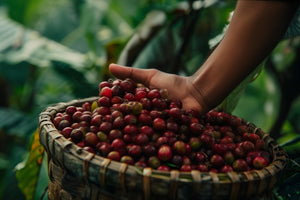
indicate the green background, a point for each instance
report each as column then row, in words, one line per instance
column 58, row 50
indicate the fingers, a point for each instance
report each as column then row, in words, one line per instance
column 120, row 72
column 138, row 75
column 177, row 86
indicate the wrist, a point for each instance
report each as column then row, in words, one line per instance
column 200, row 98
column 212, row 84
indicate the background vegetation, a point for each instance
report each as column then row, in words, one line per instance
column 57, row 50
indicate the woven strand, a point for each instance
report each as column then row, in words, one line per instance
column 49, row 170
column 216, row 184
column 104, row 164
column 196, row 176
column 44, row 135
column 263, row 183
column 123, row 168
column 47, row 128
column 146, row 182
column 273, row 170
column 61, row 153
column 174, row 176
column 86, row 162
column 235, row 185
column 55, row 136
column 45, row 116
column 251, row 185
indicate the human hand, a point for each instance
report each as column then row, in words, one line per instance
column 178, row 87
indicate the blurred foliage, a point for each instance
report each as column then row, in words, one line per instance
column 30, row 173
column 57, row 50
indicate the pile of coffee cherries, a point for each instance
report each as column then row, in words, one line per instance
column 133, row 124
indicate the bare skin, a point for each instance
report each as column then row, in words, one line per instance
column 255, row 29
column 178, row 87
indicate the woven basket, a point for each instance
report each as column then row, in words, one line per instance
column 77, row 174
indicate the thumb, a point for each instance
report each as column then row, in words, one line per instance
column 138, row 75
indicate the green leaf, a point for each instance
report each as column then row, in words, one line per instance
column 92, row 15
column 294, row 116
column 288, row 135
column 91, row 18
column 290, row 140
column 260, row 101
column 8, row 181
column 25, row 127
column 163, row 41
column 16, row 74
column 51, row 88
column 58, row 18
column 79, row 83
column 230, row 102
column 159, row 52
column 25, row 12
column 285, row 53
column 43, row 180
column 19, row 44
column 14, row 117
column 27, row 174
column 289, row 189
column 4, row 162
column 146, row 31
column 17, row 124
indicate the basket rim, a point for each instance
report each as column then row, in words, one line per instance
column 277, row 165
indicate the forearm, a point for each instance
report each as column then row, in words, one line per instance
column 255, row 29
